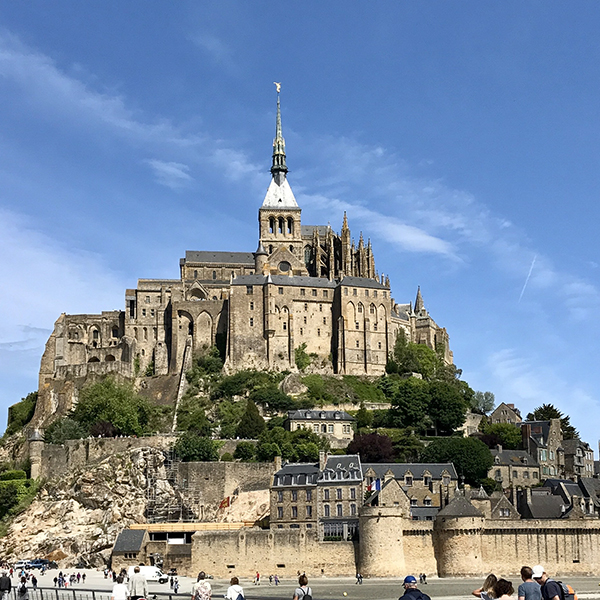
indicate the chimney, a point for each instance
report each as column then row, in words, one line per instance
column 277, row 463
column 528, row 495
column 322, row 460
column 499, row 447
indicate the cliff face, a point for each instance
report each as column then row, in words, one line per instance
column 78, row 517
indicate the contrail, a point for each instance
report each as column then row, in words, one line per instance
column 527, row 280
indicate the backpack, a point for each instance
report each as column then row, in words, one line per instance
column 240, row 597
column 307, row 594
column 22, row 589
column 202, row 591
column 566, row 591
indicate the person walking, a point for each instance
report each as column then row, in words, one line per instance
column 411, row 592
column 486, row 591
column 235, row 590
column 201, row 590
column 119, row 591
column 5, row 586
column 34, row 581
column 529, row 589
column 176, row 586
column 359, row 579
column 22, row 591
column 138, row 586
column 549, row 588
column 302, row 591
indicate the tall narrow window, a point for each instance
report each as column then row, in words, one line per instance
column 290, row 225
column 214, row 274
column 271, row 225
column 280, row 228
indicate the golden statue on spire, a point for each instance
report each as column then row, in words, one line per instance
column 278, row 86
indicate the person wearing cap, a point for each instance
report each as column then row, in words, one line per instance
column 550, row 589
column 410, row 590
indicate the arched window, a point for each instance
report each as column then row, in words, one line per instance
column 94, row 359
column 290, row 225
column 271, row 225
column 145, row 333
column 291, row 249
column 270, row 248
column 280, row 228
column 115, row 332
column 95, row 334
column 109, row 358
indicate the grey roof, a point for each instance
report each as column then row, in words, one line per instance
column 365, row 282
column 342, row 468
column 514, row 458
column 459, row 507
column 422, row 512
column 296, row 474
column 539, row 431
column 570, row 487
column 318, row 415
column 591, row 488
column 206, row 256
column 307, row 230
column 130, row 540
column 479, row 494
column 546, row 506
column 570, row 446
column 417, row 469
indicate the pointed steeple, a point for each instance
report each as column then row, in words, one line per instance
column 345, row 223
column 279, row 168
column 419, row 305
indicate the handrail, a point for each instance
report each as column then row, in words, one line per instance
column 77, row 593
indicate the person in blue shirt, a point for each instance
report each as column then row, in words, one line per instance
column 529, row 589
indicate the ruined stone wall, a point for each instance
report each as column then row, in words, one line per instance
column 281, row 551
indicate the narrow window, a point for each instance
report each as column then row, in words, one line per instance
column 345, row 291
column 325, row 492
column 352, row 493
column 354, row 292
column 305, row 307
column 318, row 332
column 147, row 300
column 353, row 509
column 379, row 345
column 284, row 326
column 324, row 320
column 309, row 495
column 143, row 312
column 280, row 512
column 251, row 305
column 360, row 308
column 270, row 248
column 280, row 290
column 305, row 320
column 302, row 292
column 294, row 495
column 145, row 333
column 314, row 292
column 309, row 511
column 271, row 225
column 290, row 225
column 325, row 293
column 280, row 496
column 320, row 308
column 280, row 228
column 301, row 331
column 375, row 326
column 249, row 289
column 338, row 494
column 356, row 325
column 251, row 321
column 326, row 510
column 375, row 294
column 340, row 510
column 195, row 274
column 151, row 312
column 214, row 275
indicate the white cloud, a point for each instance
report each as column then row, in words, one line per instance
column 174, row 175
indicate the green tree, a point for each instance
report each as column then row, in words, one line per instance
column 545, row 412
column 251, row 424
column 21, row 413
column 272, row 399
column 364, row 417
column 307, row 452
column 506, row 434
column 302, row 358
column 8, row 497
column 267, row 451
column 192, row 417
column 483, row 402
column 447, row 409
column 62, row 430
column 245, row 451
column 471, row 457
column 372, row 447
column 192, row 447
column 407, row 446
column 118, row 404
column 229, row 414
column 410, row 399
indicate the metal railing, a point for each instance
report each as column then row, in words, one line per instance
column 78, row 593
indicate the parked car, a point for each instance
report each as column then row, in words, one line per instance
column 150, row 573
column 21, row 564
column 38, row 563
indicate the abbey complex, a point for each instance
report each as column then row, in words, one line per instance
column 305, row 285
column 305, row 291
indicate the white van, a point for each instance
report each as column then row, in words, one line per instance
column 150, row 573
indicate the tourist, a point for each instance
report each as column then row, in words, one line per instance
column 176, row 586
column 529, row 589
column 22, row 592
column 138, row 586
column 257, row 580
column 172, row 581
column 34, row 581
column 503, row 589
column 486, row 591
column 201, row 590
column 119, row 591
column 276, row 580
column 234, row 591
column 5, row 586
column 411, row 592
column 83, row 578
column 549, row 588
column 302, row 591
column 359, row 579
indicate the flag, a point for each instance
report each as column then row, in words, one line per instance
column 224, row 503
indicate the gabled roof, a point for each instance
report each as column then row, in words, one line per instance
column 514, row 458
column 307, row 230
column 591, row 488
column 459, row 507
column 280, row 195
column 296, row 474
column 130, row 540
column 546, row 506
column 285, row 280
column 365, row 282
column 319, row 415
column 417, row 469
column 342, row 468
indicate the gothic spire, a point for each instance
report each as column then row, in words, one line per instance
column 279, row 168
column 419, row 305
column 345, row 223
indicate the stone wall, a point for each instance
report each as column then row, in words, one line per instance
column 281, row 551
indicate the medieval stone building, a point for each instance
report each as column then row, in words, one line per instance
column 305, row 286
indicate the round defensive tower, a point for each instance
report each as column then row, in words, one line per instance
column 36, row 445
column 457, row 539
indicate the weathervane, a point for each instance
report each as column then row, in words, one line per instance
column 278, row 86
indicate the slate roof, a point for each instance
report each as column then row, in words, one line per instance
column 307, row 230
column 514, row 458
column 206, row 256
column 571, row 487
column 591, row 488
column 364, row 282
column 422, row 512
column 342, row 468
column 319, row 415
column 417, row 469
column 130, row 540
column 546, row 506
column 300, row 474
column 285, row 280
column 539, row 431
column 459, row 507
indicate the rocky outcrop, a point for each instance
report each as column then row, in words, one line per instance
column 77, row 518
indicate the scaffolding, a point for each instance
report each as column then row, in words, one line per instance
column 183, row 503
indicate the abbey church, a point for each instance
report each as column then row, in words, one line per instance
column 305, row 286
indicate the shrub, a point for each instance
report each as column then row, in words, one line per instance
column 301, row 357
column 245, row 451
column 251, row 424
column 62, row 430
column 21, row 413
column 227, row 457
column 192, row 447
column 13, row 474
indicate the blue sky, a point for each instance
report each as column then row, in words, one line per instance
column 461, row 137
